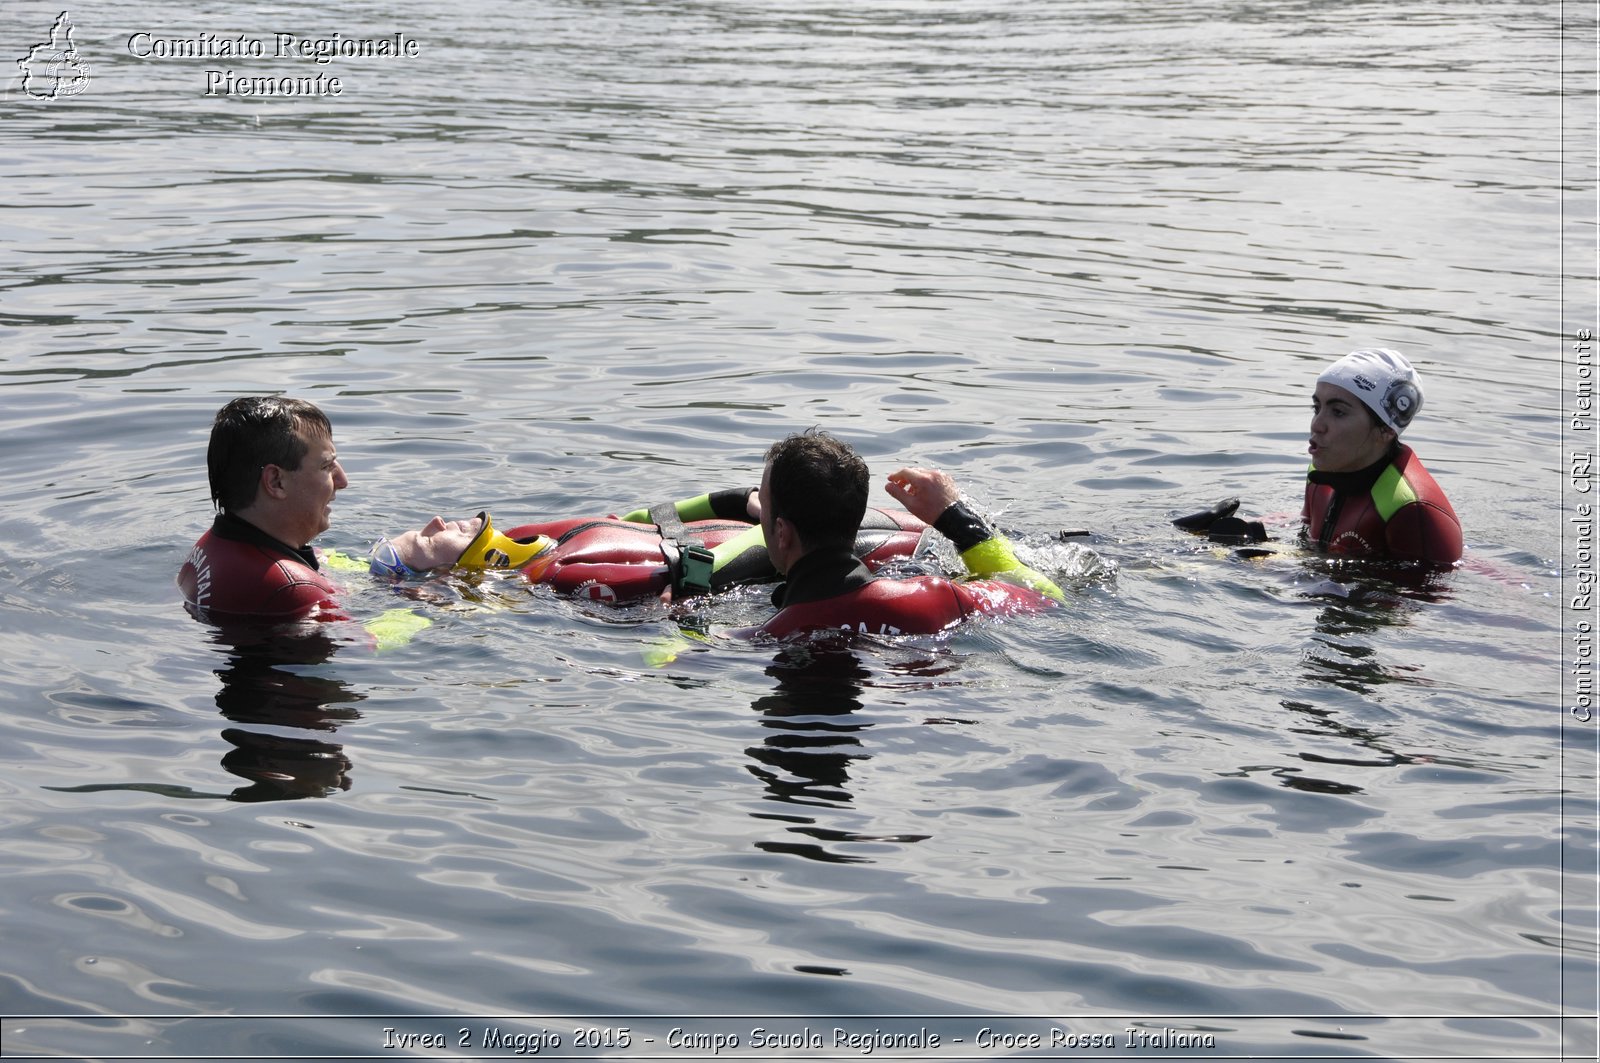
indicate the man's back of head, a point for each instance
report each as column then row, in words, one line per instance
column 819, row 484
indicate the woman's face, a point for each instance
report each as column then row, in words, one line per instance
column 1344, row 435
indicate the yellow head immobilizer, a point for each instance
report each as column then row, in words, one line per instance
column 493, row 550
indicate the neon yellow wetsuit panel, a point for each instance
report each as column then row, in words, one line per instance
column 994, row 558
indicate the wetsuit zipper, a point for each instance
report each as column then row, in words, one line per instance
column 1329, row 520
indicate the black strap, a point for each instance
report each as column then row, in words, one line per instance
column 690, row 562
column 665, row 517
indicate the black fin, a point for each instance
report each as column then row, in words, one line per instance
column 1199, row 522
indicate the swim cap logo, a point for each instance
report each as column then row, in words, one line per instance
column 54, row 68
column 1402, row 401
column 1363, row 383
column 493, row 558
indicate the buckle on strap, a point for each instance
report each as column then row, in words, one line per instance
column 691, row 568
column 693, row 571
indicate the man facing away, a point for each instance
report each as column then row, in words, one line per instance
column 812, row 498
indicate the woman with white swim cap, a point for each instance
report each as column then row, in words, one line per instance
column 1367, row 494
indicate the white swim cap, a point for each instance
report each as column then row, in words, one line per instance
column 1382, row 379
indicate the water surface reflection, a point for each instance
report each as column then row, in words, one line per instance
column 817, row 728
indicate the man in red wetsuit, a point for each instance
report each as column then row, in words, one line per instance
column 1367, row 494
column 274, row 473
column 813, row 494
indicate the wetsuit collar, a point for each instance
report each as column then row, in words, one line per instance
column 821, row 574
column 1360, row 481
column 228, row 526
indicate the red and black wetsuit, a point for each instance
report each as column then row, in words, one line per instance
column 830, row 589
column 1392, row 509
column 237, row 571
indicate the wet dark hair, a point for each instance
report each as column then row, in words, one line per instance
column 251, row 433
column 818, row 484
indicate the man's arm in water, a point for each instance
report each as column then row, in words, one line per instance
column 933, row 497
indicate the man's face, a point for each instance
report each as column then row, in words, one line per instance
column 307, row 504
column 438, row 543
column 769, row 530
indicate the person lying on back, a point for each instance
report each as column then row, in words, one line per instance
column 810, row 508
column 701, row 545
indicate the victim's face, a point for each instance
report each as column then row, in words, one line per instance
column 437, row 543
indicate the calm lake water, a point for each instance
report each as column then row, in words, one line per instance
column 572, row 257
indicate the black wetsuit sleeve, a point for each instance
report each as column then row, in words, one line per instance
column 731, row 504
column 963, row 526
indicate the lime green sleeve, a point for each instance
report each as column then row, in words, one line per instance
column 696, row 508
column 714, row 505
column 742, row 558
column 994, row 558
